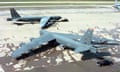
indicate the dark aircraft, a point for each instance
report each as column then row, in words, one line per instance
column 45, row 21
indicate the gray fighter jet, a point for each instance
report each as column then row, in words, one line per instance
column 45, row 21
column 75, row 42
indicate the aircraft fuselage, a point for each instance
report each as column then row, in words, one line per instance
column 32, row 19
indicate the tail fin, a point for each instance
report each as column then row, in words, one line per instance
column 14, row 14
column 87, row 37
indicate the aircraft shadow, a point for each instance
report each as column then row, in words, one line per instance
column 98, row 55
column 87, row 55
column 43, row 48
column 51, row 44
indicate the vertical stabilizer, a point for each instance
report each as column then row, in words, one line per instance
column 87, row 37
column 14, row 14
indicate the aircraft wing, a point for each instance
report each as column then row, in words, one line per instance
column 102, row 47
column 44, row 21
column 31, row 45
column 94, row 39
column 87, row 38
column 104, row 41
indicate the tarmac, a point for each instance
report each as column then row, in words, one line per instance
column 104, row 20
